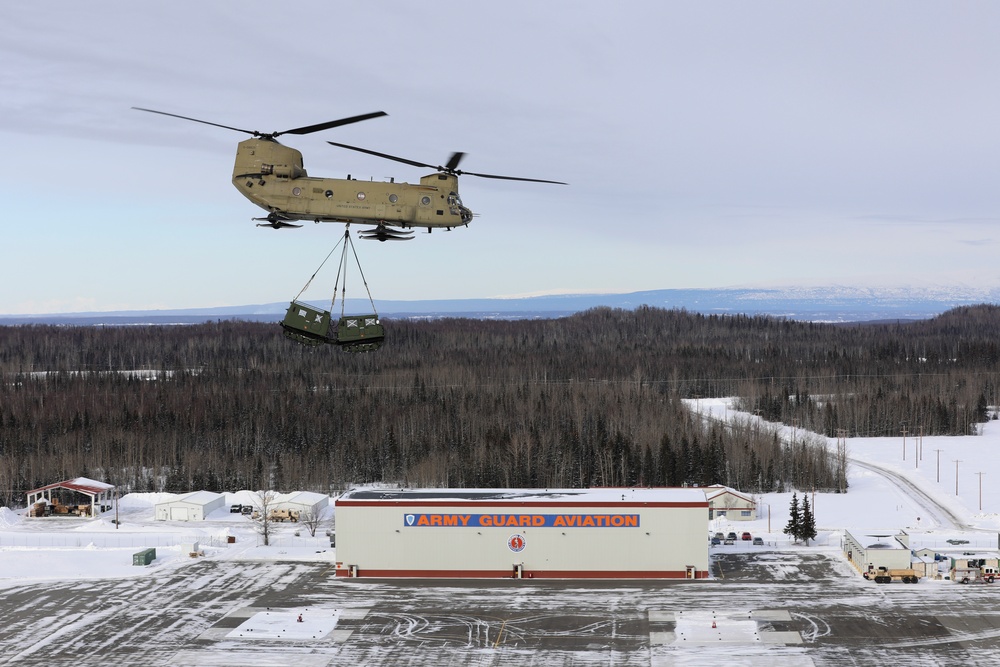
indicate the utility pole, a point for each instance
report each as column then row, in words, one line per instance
column 956, row 476
column 904, row 441
column 842, row 459
column 921, row 441
column 980, row 490
column 938, row 465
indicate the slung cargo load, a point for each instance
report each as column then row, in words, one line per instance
column 311, row 325
column 360, row 333
column 306, row 324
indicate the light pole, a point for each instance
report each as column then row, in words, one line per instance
column 956, row 476
column 904, row 440
column 938, row 465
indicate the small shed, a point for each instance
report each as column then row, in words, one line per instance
column 74, row 497
column 191, row 507
column 303, row 502
column 725, row 503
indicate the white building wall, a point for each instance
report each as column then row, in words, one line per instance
column 192, row 507
column 654, row 539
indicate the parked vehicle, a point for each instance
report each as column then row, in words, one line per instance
column 729, row 541
column 746, row 537
column 758, row 541
column 716, row 541
column 235, row 509
column 731, row 536
column 884, row 576
column 720, row 536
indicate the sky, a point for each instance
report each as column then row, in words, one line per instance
column 704, row 145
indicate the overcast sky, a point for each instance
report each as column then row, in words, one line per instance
column 705, row 145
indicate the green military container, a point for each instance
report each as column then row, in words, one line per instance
column 360, row 333
column 305, row 324
column 144, row 557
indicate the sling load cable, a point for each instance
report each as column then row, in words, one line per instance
column 303, row 323
column 356, row 333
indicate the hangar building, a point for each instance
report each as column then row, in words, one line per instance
column 191, row 507
column 303, row 501
column 564, row 533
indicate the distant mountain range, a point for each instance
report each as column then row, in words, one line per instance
column 813, row 304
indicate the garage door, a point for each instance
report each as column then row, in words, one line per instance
column 178, row 514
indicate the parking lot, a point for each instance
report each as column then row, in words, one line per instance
column 761, row 608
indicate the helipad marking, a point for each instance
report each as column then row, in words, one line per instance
column 695, row 628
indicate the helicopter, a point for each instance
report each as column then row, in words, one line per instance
column 273, row 177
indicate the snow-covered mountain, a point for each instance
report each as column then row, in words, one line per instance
column 814, row 304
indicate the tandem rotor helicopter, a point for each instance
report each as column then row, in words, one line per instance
column 272, row 176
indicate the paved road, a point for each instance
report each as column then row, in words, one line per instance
column 801, row 607
column 942, row 515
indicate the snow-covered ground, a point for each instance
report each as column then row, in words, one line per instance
column 59, row 548
column 72, row 548
column 876, row 503
column 706, row 624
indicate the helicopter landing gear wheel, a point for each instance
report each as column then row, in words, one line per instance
column 384, row 233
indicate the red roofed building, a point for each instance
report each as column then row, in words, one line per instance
column 80, row 496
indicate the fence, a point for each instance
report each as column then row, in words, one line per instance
column 106, row 540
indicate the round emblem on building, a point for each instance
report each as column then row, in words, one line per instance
column 515, row 543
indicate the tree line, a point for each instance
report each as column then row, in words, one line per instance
column 588, row 400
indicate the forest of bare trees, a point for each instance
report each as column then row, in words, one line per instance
column 588, row 400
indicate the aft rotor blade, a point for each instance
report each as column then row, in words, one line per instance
column 196, row 120
column 412, row 163
column 453, row 161
column 333, row 123
column 299, row 130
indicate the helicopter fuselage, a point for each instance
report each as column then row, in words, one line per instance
column 273, row 177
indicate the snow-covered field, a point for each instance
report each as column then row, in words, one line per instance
column 64, row 548
column 886, row 493
column 875, row 503
column 59, row 548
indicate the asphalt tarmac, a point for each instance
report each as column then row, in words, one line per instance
column 760, row 608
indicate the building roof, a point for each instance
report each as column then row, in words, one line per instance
column 716, row 490
column 195, row 498
column 685, row 497
column 84, row 485
column 302, row 498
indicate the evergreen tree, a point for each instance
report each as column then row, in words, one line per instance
column 794, row 518
column 807, row 528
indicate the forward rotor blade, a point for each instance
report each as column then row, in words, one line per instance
column 333, row 123
column 509, row 178
column 412, row 163
column 196, row 120
column 450, row 167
